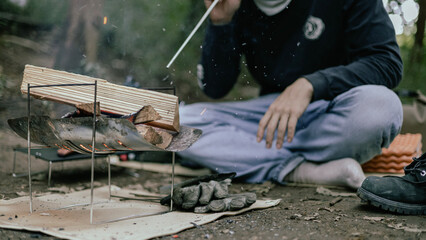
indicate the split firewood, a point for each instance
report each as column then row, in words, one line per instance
column 149, row 134
column 146, row 114
column 167, row 139
column 155, row 136
column 87, row 108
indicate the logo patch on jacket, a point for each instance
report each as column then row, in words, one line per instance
column 313, row 28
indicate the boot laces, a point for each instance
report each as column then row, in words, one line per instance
column 417, row 166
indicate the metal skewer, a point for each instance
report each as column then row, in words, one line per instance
column 193, row 31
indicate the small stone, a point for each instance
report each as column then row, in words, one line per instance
column 296, row 216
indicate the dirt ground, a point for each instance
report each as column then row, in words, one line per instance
column 304, row 212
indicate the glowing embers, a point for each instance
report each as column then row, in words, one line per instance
column 112, row 149
column 85, row 148
column 92, row 148
column 58, row 146
column 89, row 149
column 67, row 148
column 119, row 142
column 63, row 147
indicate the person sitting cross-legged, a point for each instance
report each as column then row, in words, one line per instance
column 325, row 69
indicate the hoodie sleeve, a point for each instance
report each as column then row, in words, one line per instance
column 372, row 50
column 220, row 61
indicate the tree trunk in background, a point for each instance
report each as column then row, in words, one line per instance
column 81, row 36
column 417, row 51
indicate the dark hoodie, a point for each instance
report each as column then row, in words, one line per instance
column 335, row 44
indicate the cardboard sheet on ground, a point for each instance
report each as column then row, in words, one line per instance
column 163, row 168
column 74, row 223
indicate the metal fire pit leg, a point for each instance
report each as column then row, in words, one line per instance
column 14, row 164
column 29, row 148
column 109, row 176
column 93, row 153
column 49, row 174
column 173, row 181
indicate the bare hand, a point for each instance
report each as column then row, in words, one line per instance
column 284, row 113
column 223, row 12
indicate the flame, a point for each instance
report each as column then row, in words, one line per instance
column 105, row 20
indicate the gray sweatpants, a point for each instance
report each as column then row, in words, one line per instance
column 356, row 124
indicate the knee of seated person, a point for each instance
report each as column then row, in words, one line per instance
column 380, row 107
column 377, row 118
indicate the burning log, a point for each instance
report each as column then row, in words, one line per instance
column 114, row 98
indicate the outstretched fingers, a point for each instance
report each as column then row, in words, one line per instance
column 281, row 130
column 262, row 125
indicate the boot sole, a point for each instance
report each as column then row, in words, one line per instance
column 390, row 205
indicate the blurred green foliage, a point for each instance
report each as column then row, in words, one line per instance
column 414, row 77
column 2, row 85
column 46, row 12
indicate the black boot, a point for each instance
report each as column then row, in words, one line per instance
column 405, row 195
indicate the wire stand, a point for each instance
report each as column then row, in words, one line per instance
column 29, row 87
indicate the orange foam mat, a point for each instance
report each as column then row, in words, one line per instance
column 399, row 154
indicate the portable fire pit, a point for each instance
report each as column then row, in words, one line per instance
column 112, row 134
column 95, row 134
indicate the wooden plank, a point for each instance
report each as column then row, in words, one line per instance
column 113, row 98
